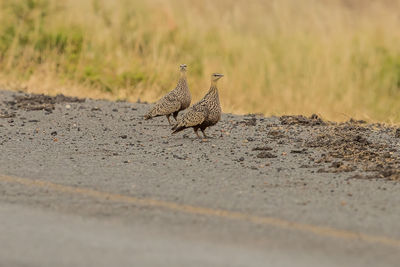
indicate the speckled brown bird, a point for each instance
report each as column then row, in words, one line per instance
column 203, row 114
column 173, row 102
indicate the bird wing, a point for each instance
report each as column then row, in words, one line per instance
column 165, row 106
column 193, row 118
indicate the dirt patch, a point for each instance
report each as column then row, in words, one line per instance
column 351, row 147
column 39, row 101
column 313, row 120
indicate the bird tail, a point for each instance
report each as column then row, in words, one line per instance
column 150, row 114
column 177, row 128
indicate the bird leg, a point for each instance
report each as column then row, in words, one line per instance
column 175, row 115
column 168, row 119
column 195, row 130
column 205, row 136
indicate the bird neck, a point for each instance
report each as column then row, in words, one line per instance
column 183, row 75
column 182, row 79
column 213, row 89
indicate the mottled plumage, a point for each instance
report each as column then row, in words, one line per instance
column 203, row 114
column 173, row 102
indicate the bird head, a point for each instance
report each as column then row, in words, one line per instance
column 216, row 76
column 183, row 67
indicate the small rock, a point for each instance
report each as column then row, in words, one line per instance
column 265, row 154
column 299, row 151
column 275, row 134
column 261, row 148
column 178, row 157
column 397, row 133
column 250, row 122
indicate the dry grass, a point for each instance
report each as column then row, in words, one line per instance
column 337, row 58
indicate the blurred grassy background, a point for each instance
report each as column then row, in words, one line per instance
column 337, row 58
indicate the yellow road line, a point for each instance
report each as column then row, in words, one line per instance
column 262, row 220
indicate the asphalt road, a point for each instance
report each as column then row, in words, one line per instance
column 92, row 184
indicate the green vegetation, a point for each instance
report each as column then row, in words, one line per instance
column 337, row 58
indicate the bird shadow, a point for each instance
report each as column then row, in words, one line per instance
column 195, row 138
